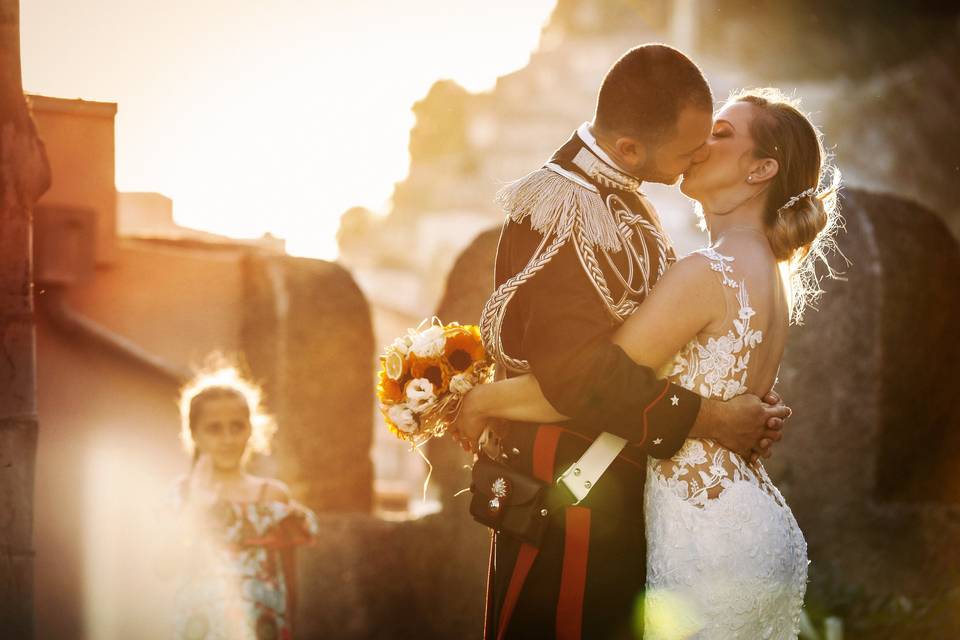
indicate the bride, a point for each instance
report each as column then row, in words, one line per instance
column 725, row 556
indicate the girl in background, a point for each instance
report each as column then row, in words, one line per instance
column 238, row 531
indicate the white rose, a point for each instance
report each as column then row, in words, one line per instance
column 428, row 343
column 403, row 418
column 420, row 394
column 460, row 384
column 401, row 345
column 394, row 365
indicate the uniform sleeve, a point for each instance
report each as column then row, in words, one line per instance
column 566, row 337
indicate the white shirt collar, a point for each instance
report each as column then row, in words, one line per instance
column 591, row 142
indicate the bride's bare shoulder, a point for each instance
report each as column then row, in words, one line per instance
column 691, row 283
column 691, row 271
column 746, row 254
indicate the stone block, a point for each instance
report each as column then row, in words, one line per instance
column 307, row 334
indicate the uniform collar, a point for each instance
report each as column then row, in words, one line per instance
column 599, row 166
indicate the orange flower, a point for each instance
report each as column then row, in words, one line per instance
column 389, row 390
column 464, row 347
column 433, row 369
column 393, row 429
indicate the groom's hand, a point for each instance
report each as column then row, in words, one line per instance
column 741, row 424
column 469, row 425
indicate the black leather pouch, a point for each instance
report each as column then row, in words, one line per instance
column 509, row 501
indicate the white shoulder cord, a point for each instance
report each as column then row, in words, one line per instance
column 494, row 311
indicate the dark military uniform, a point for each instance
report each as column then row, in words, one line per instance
column 585, row 579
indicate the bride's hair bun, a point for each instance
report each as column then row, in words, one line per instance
column 801, row 207
column 793, row 230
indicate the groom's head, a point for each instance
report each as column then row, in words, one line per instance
column 654, row 113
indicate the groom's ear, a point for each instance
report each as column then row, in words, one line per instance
column 765, row 169
column 631, row 150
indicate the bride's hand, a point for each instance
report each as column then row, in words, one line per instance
column 764, row 448
column 743, row 423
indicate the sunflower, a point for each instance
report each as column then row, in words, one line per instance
column 464, row 347
column 434, row 370
column 389, row 391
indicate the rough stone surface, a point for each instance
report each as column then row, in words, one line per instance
column 24, row 176
column 866, row 465
column 18, row 447
column 371, row 579
column 307, row 334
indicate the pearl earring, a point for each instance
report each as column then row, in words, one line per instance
column 749, row 178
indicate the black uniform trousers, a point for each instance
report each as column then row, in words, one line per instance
column 586, row 579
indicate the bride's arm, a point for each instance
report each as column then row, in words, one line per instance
column 684, row 302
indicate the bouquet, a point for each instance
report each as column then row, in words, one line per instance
column 425, row 374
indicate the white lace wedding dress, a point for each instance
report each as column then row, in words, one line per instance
column 725, row 557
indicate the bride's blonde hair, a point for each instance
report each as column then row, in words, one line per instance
column 802, row 209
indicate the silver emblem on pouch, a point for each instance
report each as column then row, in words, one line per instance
column 500, row 488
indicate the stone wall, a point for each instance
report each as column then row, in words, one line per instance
column 868, row 458
column 376, row 580
column 307, row 334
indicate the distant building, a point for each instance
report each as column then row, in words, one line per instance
column 150, row 215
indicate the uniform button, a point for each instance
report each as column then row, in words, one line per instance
column 576, row 471
column 587, row 484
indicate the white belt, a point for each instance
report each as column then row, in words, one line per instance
column 583, row 474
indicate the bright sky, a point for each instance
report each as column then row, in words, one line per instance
column 269, row 115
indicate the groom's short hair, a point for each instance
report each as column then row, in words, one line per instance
column 645, row 90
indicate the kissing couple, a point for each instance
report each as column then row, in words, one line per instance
column 641, row 381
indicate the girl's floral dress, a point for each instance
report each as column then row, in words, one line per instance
column 237, row 580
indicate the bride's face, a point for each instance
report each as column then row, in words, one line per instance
column 724, row 171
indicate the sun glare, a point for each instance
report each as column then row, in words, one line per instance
column 257, row 117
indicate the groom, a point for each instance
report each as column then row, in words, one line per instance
column 580, row 249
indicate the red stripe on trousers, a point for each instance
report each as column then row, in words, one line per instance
column 545, row 452
column 573, row 578
column 544, row 459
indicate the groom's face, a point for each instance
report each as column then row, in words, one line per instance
column 677, row 152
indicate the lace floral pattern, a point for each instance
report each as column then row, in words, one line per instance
column 719, row 367
column 726, row 558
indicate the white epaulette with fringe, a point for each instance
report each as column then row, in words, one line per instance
column 551, row 196
column 563, row 207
